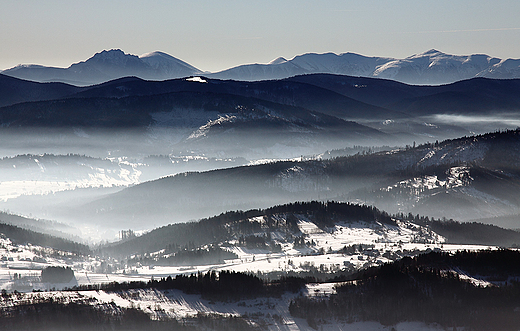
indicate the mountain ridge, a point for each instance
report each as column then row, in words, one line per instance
column 428, row 68
column 108, row 65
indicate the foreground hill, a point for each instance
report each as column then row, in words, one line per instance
column 257, row 269
column 372, row 297
column 267, row 228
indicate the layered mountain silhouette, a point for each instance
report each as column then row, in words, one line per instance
column 429, row 68
column 461, row 179
column 341, row 96
column 300, row 110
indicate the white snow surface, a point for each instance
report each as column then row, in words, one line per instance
column 196, row 79
column 167, row 64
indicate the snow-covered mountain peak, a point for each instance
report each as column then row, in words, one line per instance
column 278, row 60
column 113, row 56
column 164, row 62
column 34, row 66
column 159, row 56
column 430, row 67
column 430, row 53
column 154, row 54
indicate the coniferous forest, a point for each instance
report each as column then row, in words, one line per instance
column 426, row 288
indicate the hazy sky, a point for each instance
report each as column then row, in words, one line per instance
column 215, row 35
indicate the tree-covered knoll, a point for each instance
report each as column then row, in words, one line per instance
column 235, row 223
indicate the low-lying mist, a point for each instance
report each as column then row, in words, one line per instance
column 78, row 176
column 480, row 123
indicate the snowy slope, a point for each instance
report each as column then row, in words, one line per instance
column 47, row 173
column 434, row 67
column 108, row 65
column 430, row 67
column 167, row 66
column 264, row 313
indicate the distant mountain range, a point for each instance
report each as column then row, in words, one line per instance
column 108, row 65
column 302, row 111
column 346, row 97
column 431, row 67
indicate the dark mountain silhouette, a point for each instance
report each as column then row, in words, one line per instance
column 468, row 97
column 284, row 92
column 23, row 236
column 242, row 114
column 14, row 90
column 341, row 96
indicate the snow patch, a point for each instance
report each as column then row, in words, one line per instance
column 196, row 79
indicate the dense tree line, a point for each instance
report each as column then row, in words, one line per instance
column 196, row 256
column 424, row 289
column 49, row 314
column 377, row 164
column 223, row 285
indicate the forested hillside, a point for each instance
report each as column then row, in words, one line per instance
column 234, row 224
column 427, row 288
column 22, row 236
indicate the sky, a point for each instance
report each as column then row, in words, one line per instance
column 215, row 35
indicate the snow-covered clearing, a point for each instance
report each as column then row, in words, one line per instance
column 455, row 177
